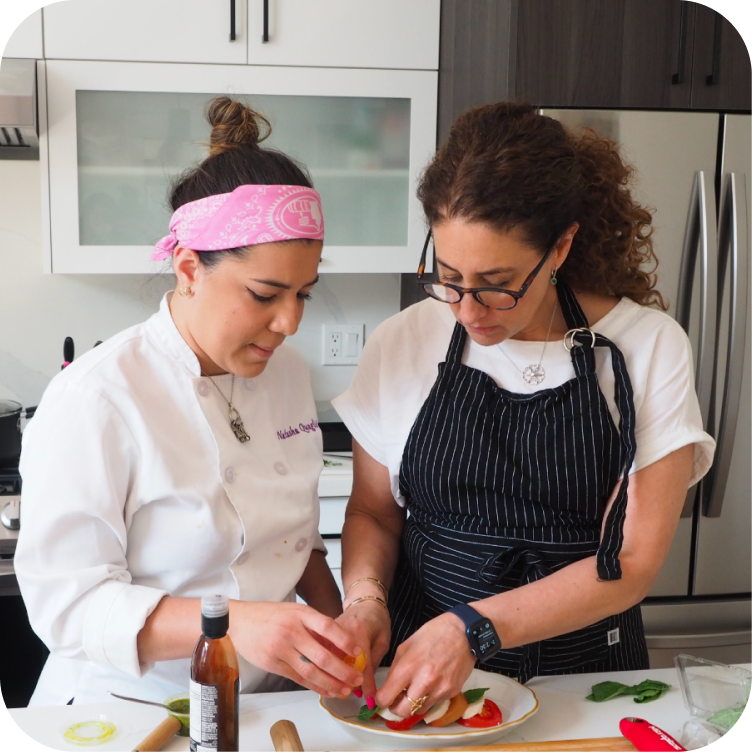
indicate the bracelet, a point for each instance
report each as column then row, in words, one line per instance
column 368, row 579
column 369, row 598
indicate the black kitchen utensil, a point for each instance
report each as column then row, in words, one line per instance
column 68, row 352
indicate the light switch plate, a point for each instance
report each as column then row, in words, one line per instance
column 343, row 344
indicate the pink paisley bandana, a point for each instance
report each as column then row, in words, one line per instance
column 250, row 215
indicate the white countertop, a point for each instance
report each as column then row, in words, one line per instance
column 563, row 714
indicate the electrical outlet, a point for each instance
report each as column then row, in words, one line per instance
column 343, row 344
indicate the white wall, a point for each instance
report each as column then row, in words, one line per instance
column 37, row 311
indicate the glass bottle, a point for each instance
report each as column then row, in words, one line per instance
column 215, row 681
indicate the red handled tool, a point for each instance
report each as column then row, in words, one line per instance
column 646, row 737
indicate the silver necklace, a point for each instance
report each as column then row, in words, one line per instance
column 236, row 422
column 534, row 374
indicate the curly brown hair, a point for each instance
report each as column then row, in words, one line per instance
column 507, row 166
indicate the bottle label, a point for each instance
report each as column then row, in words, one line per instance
column 204, row 717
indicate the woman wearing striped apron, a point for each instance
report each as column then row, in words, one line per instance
column 534, row 420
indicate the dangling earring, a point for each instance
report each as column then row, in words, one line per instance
column 185, row 291
column 553, row 277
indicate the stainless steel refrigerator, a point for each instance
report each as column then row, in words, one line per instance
column 694, row 169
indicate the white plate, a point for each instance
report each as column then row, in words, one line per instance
column 516, row 702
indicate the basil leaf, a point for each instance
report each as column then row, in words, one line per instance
column 650, row 684
column 726, row 718
column 607, row 690
column 473, row 695
column 365, row 713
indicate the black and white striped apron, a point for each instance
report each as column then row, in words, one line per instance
column 503, row 489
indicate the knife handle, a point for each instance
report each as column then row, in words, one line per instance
column 645, row 736
column 285, row 737
column 160, row 736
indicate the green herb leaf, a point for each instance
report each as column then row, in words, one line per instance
column 644, row 691
column 364, row 714
column 726, row 718
column 607, row 690
column 473, row 695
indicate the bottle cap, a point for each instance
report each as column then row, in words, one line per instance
column 214, row 606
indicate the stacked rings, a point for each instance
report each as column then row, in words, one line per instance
column 417, row 704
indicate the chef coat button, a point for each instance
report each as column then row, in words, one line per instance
column 281, row 468
column 230, row 475
column 250, row 384
column 301, row 544
column 243, row 558
column 203, row 388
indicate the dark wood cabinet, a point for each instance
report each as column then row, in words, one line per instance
column 721, row 73
column 601, row 53
column 641, row 54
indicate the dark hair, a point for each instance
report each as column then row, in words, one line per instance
column 235, row 159
column 507, row 166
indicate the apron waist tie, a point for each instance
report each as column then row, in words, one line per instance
column 532, row 560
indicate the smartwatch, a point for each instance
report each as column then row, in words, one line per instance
column 480, row 631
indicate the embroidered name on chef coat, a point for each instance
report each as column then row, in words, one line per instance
column 286, row 433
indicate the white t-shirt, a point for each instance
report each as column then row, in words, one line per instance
column 399, row 365
column 135, row 487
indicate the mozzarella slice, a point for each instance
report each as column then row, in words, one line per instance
column 437, row 711
column 387, row 715
column 474, row 708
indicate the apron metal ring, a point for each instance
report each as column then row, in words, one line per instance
column 569, row 341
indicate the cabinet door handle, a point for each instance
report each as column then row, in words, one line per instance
column 712, row 79
column 232, row 20
column 678, row 77
column 265, row 35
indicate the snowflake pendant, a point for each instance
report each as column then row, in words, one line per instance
column 534, row 374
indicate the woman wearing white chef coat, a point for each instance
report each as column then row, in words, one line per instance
column 156, row 472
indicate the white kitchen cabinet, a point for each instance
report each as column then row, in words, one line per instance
column 345, row 33
column 179, row 31
column 114, row 134
column 26, row 40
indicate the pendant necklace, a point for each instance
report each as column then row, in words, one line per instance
column 534, row 374
column 236, row 422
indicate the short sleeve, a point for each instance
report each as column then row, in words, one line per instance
column 359, row 407
column 668, row 417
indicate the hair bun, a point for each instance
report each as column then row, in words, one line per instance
column 234, row 125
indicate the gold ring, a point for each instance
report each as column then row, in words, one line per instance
column 417, row 704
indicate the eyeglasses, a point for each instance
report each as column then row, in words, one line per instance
column 491, row 297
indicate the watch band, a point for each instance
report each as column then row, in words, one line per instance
column 481, row 634
column 467, row 613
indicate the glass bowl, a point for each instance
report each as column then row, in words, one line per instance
column 183, row 717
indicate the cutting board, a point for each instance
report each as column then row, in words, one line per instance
column 604, row 744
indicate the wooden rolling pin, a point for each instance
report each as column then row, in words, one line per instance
column 160, row 736
column 285, row 739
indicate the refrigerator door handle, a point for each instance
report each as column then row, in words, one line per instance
column 733, row 248
column 700, row 235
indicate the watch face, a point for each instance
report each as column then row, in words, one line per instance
column 484, row 637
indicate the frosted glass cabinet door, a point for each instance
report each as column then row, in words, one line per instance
column 177, row 31
column 118, row 133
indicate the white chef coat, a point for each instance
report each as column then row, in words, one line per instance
column 399, row 366
column 135, row 487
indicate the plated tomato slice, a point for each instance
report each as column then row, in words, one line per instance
column 407, row 723
column 490, row 715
